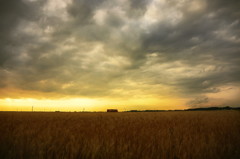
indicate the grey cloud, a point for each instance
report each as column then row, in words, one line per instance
column 137, row 8
column 83, row 10
column 177, row 43
column 11, row 12
column 198, row 101
column 66, row 61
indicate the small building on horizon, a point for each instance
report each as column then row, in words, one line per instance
column 112, row 110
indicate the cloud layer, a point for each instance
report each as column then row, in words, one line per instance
column 188, row 49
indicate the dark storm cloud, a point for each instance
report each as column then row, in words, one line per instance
column 92, row 47
column 83, row 10
column 11, row 12
column 207, row 37
column 137, row 8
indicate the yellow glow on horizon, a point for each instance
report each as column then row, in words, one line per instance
column 21, row 100
column 86, row 104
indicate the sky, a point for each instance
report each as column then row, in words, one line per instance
column 75, row 55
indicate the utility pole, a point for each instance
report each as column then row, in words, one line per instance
column 32, row 108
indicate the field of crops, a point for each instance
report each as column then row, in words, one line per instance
column 152, row 135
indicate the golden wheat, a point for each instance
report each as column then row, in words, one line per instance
column 154, row 135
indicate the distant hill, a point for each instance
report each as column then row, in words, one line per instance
column 214, row 108
column 191, row 109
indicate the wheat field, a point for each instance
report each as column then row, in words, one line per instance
column 152, row 135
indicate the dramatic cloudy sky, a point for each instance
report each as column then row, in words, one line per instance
column 126, row 54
